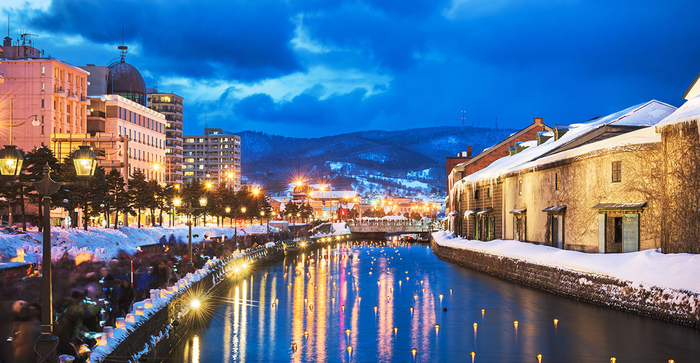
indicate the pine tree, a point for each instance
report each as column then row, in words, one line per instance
column 138, row 192
column 35, row 162
column 122, row 201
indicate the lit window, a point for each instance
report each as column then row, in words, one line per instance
column 43, row 70
column 43, row 86
column 520, row 187
column 556, row 181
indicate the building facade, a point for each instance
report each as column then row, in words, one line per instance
column 214, row 157
column 40, row 96
column 594, row 186
column 170, row 105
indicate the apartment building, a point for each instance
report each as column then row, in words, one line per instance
column 170, row 105
column 214, row 157
column 40, row 96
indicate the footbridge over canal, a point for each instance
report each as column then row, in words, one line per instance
column 380, row 229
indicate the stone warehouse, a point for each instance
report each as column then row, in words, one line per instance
column 620, row 183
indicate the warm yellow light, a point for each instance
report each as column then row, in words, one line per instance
column 228, row 209
column 262, row 213
column 208, row 185
column 243, row 210
column 298, row 183
column 156, row 167
column 177, row 186
column 229, row 175
column 256, row 191
column 203, row 201
column 177, row 202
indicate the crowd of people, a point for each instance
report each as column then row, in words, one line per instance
column 92, row 295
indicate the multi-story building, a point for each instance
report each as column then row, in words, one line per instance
column 124, row 132
column 170, row 105
column 40, row 96
column 214, row 157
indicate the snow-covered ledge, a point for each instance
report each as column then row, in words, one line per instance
column 665, row 286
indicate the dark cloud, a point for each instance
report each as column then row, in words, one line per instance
column 242, row 40
column 566, row 61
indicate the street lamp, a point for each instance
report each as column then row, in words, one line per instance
column 189, row 210
column 11, row 161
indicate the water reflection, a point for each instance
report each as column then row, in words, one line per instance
column 323, row 305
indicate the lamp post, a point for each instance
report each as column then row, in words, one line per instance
column 243, row 209
column 189, row 210
column 11, row 161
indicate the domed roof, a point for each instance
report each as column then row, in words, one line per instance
column 124, row 79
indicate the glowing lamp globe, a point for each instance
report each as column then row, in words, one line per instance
column 11, row 161
column 203, row 201
column 177, row 202
column 85, row 161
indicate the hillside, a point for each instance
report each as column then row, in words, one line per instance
column 397, row 162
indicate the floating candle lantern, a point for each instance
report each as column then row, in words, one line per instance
column 148, row 303
column 130, row 318
column 139, row 310
column 109, row 331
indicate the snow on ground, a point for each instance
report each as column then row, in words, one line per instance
column 104, row 244
column 646, row 268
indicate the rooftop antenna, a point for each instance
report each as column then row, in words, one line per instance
column 123, row 48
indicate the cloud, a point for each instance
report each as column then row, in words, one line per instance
column 242, row 40
column 313, row 67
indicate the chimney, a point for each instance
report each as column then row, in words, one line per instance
column 469, row 151
column 538, row 121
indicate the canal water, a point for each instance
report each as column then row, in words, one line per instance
column 400, row 303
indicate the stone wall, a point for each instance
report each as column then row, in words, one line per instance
column 681, row 189
column 665, row 304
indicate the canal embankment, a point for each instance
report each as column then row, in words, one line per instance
column 157, row 324
column 647, row 283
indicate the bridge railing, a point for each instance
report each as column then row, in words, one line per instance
column 387, row 222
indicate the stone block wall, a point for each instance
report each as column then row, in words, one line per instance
column 665, row 304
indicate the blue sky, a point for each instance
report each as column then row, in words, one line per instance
column 323, row 67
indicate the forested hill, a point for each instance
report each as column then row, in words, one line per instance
column 399, row 162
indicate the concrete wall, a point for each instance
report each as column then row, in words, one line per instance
column 664, row 304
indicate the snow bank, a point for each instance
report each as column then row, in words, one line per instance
column 104, row 244
column 646, row 268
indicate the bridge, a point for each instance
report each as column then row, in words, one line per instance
column 381, row 229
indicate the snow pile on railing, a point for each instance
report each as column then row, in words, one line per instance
column 645, row 268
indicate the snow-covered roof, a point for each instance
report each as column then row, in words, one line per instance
column 646, row 135
column 690, row 111
column 644, row 114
